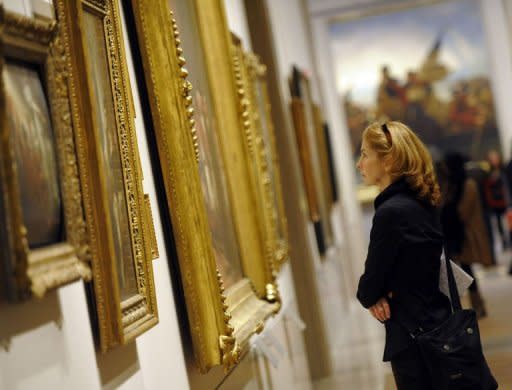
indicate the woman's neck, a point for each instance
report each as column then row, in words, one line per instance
column 384, row 183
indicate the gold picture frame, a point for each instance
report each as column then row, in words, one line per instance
column 42, row 247
column 123, row 301
column 255, row 116
column 221, row 319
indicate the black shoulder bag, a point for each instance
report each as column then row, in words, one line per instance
column 452, row 352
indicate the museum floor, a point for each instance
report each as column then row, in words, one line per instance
column 358, row 348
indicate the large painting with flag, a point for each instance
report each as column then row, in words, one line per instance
column 426, row 66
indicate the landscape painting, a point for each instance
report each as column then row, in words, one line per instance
column 425, row 66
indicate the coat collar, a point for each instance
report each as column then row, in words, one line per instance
column 398, row 186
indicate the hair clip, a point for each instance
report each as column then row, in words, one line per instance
column 387, row 133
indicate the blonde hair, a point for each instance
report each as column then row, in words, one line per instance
column 409, row 157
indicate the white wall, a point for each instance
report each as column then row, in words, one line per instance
column 292, row 40
column 498, row 36
column 51, row 343
column 237, row 21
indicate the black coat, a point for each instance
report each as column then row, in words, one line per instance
column 404, row 258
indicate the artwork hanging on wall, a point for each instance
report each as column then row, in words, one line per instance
column 122, row 296
column 228, row 288
column 312, row 151
column 256, row 125
column 262, row 121
column 426, row 66
column 42, row 247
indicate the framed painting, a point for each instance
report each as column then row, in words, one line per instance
column 323, row 155
column 254, row 113
column 298, row 110
column 43, row 232
column 220, row 250
column 307, row 127
column 118, row 217
column 255, row 150
column 424, row 64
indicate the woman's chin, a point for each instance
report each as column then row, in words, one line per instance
column 367, row 181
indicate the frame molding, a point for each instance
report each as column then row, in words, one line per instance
column 32, row 272
column 221, row 321
column 213, row 29
column 249, row 74
column 118, row 320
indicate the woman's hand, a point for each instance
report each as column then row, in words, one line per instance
column 381, row 310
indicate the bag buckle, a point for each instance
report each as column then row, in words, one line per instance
column 416, row 332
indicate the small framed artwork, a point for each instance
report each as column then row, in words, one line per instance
column 315, row 169
column 43, row 232
column 122, row 294
column 263, row 153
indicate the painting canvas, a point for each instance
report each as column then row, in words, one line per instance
column 28, row 119
column 211, row 167
column 109, row 146
column 426, row 66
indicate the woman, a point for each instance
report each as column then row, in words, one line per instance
column 400, row 283
column 466, row 239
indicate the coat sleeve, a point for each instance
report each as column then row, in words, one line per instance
column 385, row 241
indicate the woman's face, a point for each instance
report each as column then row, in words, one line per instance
column 371, row 166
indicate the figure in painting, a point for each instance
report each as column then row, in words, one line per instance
column 390, row 97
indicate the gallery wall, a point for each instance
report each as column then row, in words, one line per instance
column 51, row 345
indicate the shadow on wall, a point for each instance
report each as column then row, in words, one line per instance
column 23, row 317
column 117, row 366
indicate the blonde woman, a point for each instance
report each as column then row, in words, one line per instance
column 401, row 276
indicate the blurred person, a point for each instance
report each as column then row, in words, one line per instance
column 495, row 193
column 466, row 237
column 479, row 171
column 401, row 275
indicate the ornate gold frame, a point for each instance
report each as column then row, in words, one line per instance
column 28, row 271
column 118, row 321
column 250, row 73
column 221, row 321
column 216, row 40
